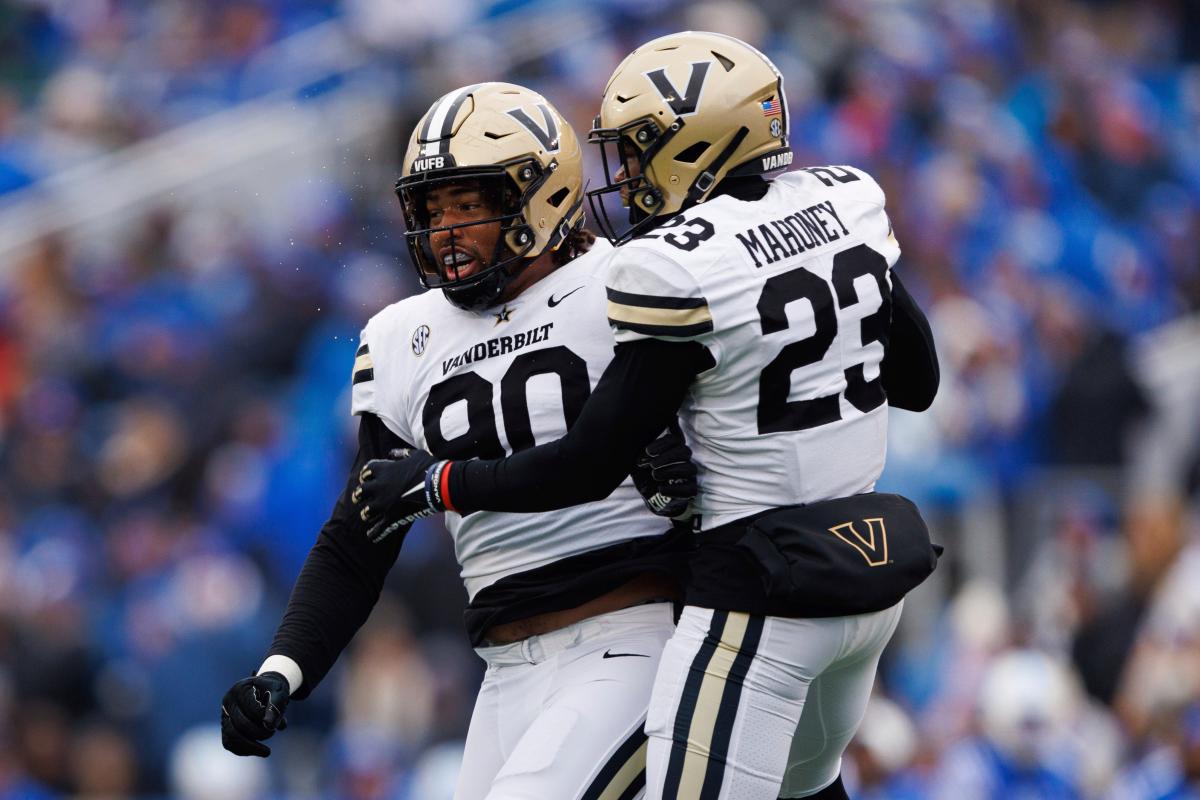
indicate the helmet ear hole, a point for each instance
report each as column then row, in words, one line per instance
column 692, row 153
column 558, row 197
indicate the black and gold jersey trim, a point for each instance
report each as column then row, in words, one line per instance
column 708, row 707
column 655, row 300
column 364, row 367
column 655, row 315
column 623, row 776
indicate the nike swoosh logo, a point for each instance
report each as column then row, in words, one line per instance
column 610, row 654
column 552, row 302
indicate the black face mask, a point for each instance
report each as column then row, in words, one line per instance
column 636, row 142
column 639, row 142
column 480, row 289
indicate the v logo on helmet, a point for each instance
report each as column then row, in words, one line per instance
column 689, row 100
column 548, row 136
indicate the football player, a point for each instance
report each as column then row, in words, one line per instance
column 570, row 610
column 768, row 310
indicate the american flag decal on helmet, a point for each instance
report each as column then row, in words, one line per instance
column 771, row 108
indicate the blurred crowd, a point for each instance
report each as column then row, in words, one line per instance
column 83, row 78
column 174, row 406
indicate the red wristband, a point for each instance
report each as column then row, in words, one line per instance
column 444, row 487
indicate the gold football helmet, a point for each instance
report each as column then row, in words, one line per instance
column 513, row 144
column 683, row 112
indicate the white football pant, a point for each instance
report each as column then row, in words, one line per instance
column 560, row 716
column 756, row 708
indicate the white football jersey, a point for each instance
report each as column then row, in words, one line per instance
column 791, row 294
column 465, row 384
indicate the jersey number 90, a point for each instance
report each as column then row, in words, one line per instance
column 481, row 439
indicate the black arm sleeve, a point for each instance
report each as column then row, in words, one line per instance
column 342, row 577
column 910, row 366
column 634, row 401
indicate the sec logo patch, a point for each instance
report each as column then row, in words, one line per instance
column 420, row 339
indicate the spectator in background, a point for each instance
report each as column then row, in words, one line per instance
column 199, row 769
column 387, row 690
column 1026, row 705
column 1098, row 401
column 882, row 755
column 1168, row 765
column 103, row 763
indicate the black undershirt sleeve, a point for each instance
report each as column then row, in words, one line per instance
column 910, row 366
column 636, row 398
column 342, row 577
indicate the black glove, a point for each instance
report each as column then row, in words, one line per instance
column 251, row 711
column 394, row 492
column 665, row 474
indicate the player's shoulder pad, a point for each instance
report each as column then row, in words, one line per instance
column 652, row 294
column 594, row 262
column 381, row 330
column 850, row 182
column 393, row 320
column 689, row 238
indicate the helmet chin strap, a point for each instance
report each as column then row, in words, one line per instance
column 483, row 293
column 708, row 178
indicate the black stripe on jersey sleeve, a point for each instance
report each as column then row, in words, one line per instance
column 654, row 300
column 682, row 331
column 656, row 315
column 364, row 368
